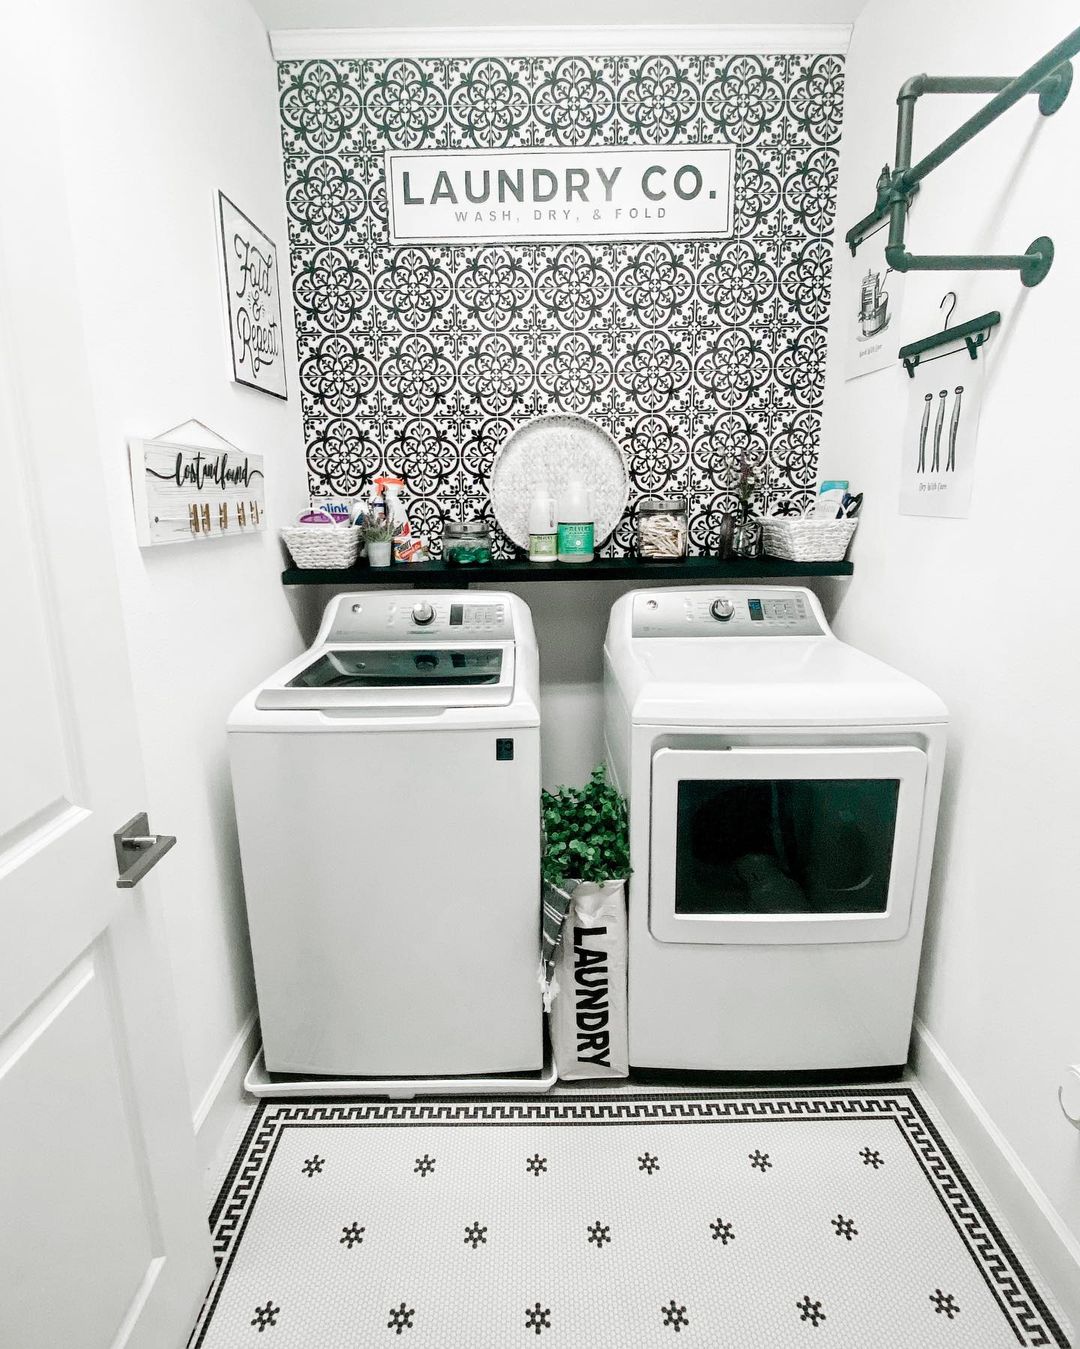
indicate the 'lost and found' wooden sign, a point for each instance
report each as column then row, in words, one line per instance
column 252, row 300
column 184, row 492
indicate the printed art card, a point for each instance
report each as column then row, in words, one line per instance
column 872, row 308
column 938, row 469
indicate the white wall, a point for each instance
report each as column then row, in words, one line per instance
column 983, row 609
column 164, row 103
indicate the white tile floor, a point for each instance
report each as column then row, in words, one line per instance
column 601, row 1217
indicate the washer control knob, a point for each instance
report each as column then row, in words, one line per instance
column 423, row 614
column 722, row 609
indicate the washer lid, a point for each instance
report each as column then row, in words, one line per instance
column 393, row 676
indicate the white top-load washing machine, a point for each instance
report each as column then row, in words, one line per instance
column 387, row 787
column 783, row 792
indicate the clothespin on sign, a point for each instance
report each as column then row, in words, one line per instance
column 193, row 518
column 205, row 512
column 223, row 515
column 241, row 516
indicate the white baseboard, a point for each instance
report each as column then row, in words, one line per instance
column 225, row 1095
column 1046, row 1240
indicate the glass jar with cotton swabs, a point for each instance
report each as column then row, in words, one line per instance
column 662, row 527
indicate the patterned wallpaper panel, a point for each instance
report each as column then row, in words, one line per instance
column 420, row 359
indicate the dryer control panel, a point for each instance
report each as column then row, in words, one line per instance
column 737, row 611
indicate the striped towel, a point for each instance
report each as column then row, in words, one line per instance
column 556, row 901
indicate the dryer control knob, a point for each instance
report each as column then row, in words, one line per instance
column 423, row 614
column 722, row 609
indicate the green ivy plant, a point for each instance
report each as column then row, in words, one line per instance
column 585, row 833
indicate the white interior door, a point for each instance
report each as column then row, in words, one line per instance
column 103, row 1242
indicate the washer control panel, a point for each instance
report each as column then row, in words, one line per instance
column 409, row 617
column 734, row 612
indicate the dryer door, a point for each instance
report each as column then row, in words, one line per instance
column 761, row 845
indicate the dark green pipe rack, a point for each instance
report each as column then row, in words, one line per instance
column 1050, row 78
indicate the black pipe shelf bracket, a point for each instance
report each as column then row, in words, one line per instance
column 973, row 334
column 1050, row 78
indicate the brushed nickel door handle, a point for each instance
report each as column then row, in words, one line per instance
column 137, row 850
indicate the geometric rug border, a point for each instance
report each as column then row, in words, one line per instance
column 1018, row 1299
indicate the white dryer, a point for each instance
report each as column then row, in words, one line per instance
column 783, row 792
column 387, row 787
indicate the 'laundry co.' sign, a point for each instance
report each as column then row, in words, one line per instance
column 477, row 196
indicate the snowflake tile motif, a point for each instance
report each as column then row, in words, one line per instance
column 535, row 1164
column 424, row 1165
column 599, row 1234
column 314, row 1165
column 722, row 1232
column 538, row 1318
column 810, row 1311
column 845, row 1227
column 475, row 1236
column 265, row 1316
column 872, row 1158
column 511, row 330
column 648, row 1163
column 401, row 1318
column 675, row 1316
column 760, row 1160
column 945, row 1302
column 352, row 1235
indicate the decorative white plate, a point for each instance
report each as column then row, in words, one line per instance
column 551, row 451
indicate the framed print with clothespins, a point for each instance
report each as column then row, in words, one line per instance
column 938, row 466
column 191, row 484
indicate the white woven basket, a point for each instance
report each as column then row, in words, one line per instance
column 808, row 539
column 315, row 546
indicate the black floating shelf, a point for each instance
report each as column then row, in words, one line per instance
column 439, row 575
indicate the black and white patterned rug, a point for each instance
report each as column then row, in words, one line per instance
column 603, row 1221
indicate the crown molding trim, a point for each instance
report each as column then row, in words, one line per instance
column 291, row 44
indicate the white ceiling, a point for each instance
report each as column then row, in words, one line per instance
column 339, row 14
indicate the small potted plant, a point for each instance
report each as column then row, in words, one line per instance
column 586, row 864
column 746, row 537
column 378, row 533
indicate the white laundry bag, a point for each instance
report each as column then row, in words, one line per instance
column 588, row 990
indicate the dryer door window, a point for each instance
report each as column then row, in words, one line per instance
column 784, row 845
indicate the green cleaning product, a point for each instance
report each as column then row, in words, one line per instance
column 543, row 534
column 577, row 524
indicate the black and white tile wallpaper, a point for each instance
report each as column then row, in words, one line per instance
column 420, row 359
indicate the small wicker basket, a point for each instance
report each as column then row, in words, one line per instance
column 329, row 546
column 807, row 540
